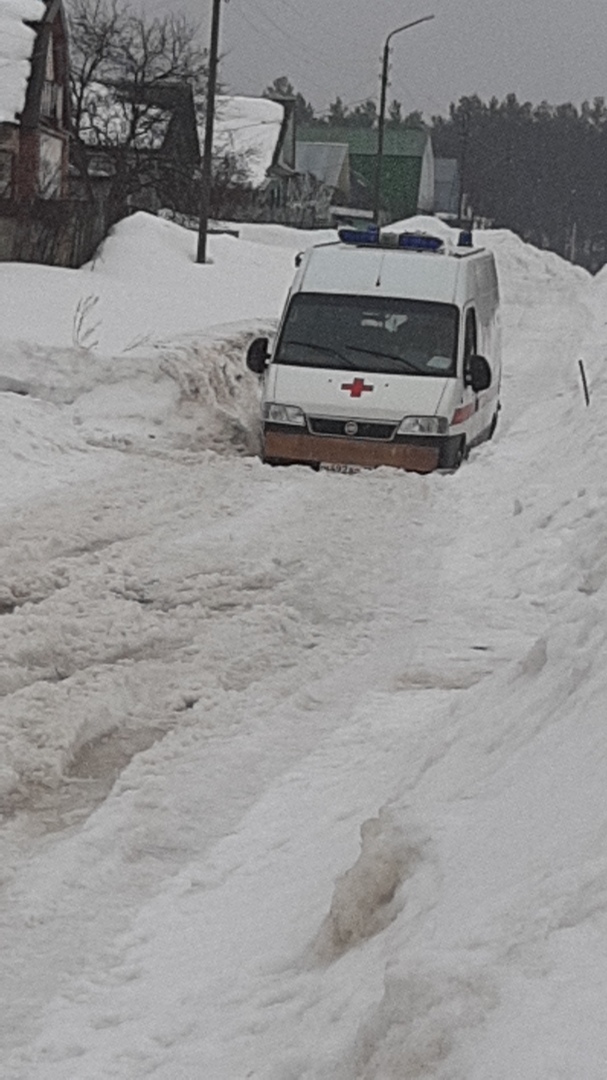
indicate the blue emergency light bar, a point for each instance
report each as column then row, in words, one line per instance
column 420, row 242
column 373, row 237
column 360, row 236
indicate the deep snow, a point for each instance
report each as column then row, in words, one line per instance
column 303, row 774
column 16, row 45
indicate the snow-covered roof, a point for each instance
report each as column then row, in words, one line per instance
column 249, row 127
column 325, row 161
column 16, row 45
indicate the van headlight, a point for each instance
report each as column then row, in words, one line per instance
column 424, row 425
column 284, row 414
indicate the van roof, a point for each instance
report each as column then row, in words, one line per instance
column 381, row 271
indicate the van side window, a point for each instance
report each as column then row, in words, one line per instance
column 470, row 335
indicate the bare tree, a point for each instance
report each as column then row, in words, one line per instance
column 135, row 86
column 95, row 27
column 138, row 90
column 231, row 185
column 112, row 45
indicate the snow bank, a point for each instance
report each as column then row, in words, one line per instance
column 144, row 288
column 362, row 831
column 70, row 414
column 16, row 45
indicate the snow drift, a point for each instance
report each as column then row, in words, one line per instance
column 303, row 774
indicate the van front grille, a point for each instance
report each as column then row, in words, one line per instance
column 365, row 429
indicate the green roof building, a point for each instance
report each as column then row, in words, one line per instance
column 407, row 182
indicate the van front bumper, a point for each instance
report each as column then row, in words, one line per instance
column 284, row 446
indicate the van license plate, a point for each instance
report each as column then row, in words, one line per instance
column 349, row 470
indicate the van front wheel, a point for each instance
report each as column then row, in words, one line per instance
column 461, row 453
column 453, row 453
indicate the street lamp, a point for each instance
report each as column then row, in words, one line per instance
column 207, row 155
column 382, row 112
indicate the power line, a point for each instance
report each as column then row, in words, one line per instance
column 294, row 48
column 413, row 91
column 300, row 15
column 296, row 56
column 295, row 41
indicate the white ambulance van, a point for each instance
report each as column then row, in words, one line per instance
column 388, row 353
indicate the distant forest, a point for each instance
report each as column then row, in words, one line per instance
column 540, row 170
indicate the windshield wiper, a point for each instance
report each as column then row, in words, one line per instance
column 413, row 368
column 318, row 348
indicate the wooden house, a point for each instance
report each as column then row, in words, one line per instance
column 147, row 164
column 34, row 118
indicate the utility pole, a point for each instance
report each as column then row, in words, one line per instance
column 207, row 156
column 382, row 114
column 463, row 169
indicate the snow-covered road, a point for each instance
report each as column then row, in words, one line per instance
column 214, row 675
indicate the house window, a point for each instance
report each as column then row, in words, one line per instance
column 275, row 199
column 6, row 174
column 49, row 72
column 51, row 167
column 51, row 103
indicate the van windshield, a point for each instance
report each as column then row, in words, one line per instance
column 387, row 334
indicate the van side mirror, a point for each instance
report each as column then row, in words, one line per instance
column 478, row 373
column 257, row 355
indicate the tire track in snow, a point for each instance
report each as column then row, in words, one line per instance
column 246, row 692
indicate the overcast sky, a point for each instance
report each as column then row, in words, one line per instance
column 553, row 50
